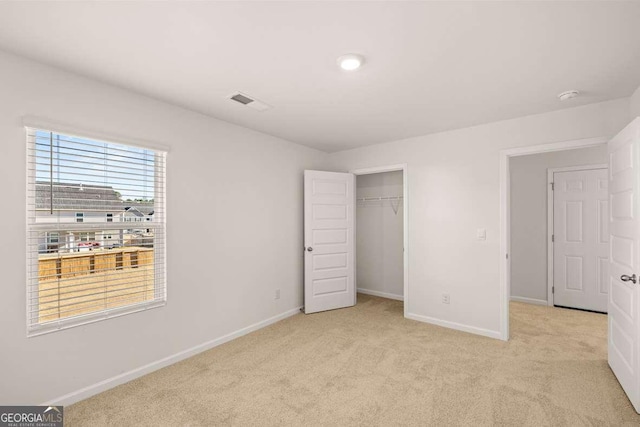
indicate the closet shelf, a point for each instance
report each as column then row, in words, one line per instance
column 377, row 199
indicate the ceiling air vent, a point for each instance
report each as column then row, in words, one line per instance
column 248, row 101
column 242, row 99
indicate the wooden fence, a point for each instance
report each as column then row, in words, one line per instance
column 84, row 282
column 53, row 267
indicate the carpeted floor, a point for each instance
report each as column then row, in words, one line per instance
column 367, row 365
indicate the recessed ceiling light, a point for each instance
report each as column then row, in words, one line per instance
column 350, row 62
column 568, row 95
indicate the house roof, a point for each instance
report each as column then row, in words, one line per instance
column 140, row 210
column 78, row 197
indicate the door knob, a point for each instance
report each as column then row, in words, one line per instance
column 626, row 278
column 310, row 249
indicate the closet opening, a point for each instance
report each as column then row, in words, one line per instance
column 381, row 236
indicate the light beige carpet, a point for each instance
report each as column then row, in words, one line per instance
column 367, row 365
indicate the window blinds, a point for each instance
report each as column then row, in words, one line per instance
column 95, row 230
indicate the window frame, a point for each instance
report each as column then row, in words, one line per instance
column 160, row 254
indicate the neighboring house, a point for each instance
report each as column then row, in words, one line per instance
column 81, row 203
column 137, row 213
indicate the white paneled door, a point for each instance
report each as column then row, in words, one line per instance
column 581, row 239
column 624, row 313
column 329, row 235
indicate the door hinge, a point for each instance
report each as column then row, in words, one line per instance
column 553, row 238
column 507, row 256
column 553, row 289
column 553, row 186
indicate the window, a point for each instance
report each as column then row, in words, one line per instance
column 51, row 244
column 82, row 266
column 86, row 237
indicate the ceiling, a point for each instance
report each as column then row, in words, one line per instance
column 430, row 66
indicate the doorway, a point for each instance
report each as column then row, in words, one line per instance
column 379, row 235
column 507, row 158
column 382, row 232
column 559, row 228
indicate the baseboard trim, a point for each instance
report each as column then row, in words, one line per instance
column 125, row 377
column 529, row 300
column 381, row 294
column 457, row 326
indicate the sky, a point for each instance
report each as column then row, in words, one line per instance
column 129, row 170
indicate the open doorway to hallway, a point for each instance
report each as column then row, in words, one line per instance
column 559, row 228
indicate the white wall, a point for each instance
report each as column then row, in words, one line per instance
column 379, row 235
column 228, row 187
column 529, row 215
column 635, row 104
column 453, row 183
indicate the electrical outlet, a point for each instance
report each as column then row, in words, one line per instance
column 445, row 299
column 277, row 294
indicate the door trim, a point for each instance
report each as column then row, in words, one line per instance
column 505, row 214
column 405, row 220
column 550, row 224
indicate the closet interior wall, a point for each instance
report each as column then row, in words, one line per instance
column 379, row 234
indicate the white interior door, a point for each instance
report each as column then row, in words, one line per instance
column 329, row 236
column 624, row 316
column 581, row 239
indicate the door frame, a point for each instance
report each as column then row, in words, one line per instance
column 505, row 214
column 550, row 216
column 405, row 221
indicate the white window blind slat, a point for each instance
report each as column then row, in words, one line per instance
column 96, row 230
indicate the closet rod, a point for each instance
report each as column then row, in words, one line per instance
column 368, row 199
